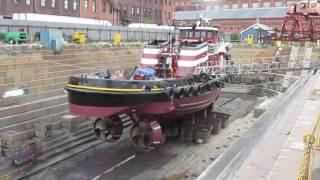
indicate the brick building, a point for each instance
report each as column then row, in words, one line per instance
column 98, row 9
column 235, row 20
column 186, row 5
column 238, row 4
column 51, row 7
column 145, row 11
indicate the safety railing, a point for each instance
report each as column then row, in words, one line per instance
column 312, row 144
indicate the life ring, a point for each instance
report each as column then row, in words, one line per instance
column 169, row 92
column 204, row 77
column 179, row 92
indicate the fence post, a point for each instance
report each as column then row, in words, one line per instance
column 99, row 35
column 110, row 34
column 127, row 34
column 142, row 35
column 134, row 35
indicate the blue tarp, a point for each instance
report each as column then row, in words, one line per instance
column 147, row 72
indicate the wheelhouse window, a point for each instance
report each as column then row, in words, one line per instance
column 197, row 34
column 202, row 34
column 209, row 34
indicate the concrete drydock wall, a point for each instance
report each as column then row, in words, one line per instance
column 45, row 75
column 228, row 162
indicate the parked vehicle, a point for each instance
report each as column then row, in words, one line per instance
column 15, row 37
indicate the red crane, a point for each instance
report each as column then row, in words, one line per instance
column 298, row 25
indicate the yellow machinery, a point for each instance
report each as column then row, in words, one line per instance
column 79, row 37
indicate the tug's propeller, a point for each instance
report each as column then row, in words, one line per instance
column 108, row 129
column 146, row 135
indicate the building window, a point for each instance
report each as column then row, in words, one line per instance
column 169, row 2
column 156, row 2
column 166, row 2
column 132, row 11
column 150, row 12
column 43, row 3
column 66, row 4
column 74, row 5
column 16, row 1
column 53, row 3
column 138, row 11
column 278, row 4
column 94, row 6
column 255, row 5
column 28, row 2
column 104, row 6
column 225, row 6
column 245, row 5
column 145, row 12
column 86, row 4
column 169, row 15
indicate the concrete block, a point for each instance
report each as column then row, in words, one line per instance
column 202, row 133
column 11, row 138
column 187, row 133
column 71, row 122
column 216, row 125
column 43, row 129
column 9, row 152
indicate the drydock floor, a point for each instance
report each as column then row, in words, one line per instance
column 174, row 160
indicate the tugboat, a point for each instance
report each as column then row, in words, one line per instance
column 159, row 97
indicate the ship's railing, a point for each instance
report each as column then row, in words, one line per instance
column 256, row 65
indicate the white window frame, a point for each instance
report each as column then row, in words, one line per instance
column 74, row 4
column 42, row 3
column 86, row 4
column 53, row 3
column 94, row 6
column 28, row 2
column 66, row 4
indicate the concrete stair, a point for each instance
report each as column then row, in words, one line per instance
column 308, row 54
column 294, row 53
column 59, row 147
